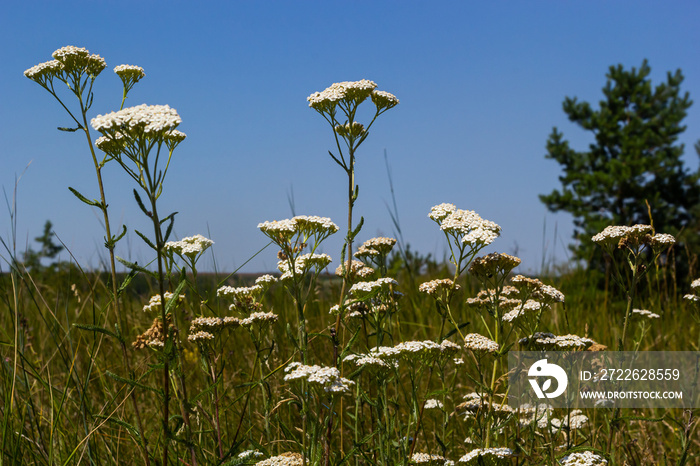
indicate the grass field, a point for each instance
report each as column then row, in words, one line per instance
column 389, row 359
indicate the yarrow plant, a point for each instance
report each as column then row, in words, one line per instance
column 226, row 375
column 338, row 105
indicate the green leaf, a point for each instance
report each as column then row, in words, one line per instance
column 357, row 229
column 134, row 383
column 454, row 330
column 68, row 130
column 94, row 203
column 170, row 226
column 135, row 266
column 146, row 240
column 127, row 280
column 140, row 203
column 96, row 329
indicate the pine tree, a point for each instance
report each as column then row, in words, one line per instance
column 634, row 160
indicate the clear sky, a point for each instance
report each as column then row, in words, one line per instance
column 481, row 85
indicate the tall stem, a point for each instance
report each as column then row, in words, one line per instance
column 115, row 298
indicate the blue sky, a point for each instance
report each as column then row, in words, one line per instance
column 481, row 86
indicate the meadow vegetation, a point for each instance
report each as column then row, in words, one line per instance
column 385, row 357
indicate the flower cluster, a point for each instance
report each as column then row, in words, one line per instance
column 245, row 298
column 466, row 226
column 416, row 351
column 549, row 341
column 249, row 453
column 44, row 72
column 155, row 302
column 522, row 310
column 487, row 456
column 139, row 121
column 259, row 318
column 583, row 458
column 191, row 247
column 347, row 92
column 645, row 313
column 304, row 227
column 285, row 459
column 474, row 402
column 635, row 237
column 375, row 247
column 429, row 460
column 69, row 62
column 433, row 404
column 494, row 264
column 436, row 288
column 480, row 344
column 363, row 289
column 212, row 324
column 326, row 378
column 129, row 74
column 534, row 288
column 303, row 264
column 539, row 415
column 574, row 421
column 357, row 269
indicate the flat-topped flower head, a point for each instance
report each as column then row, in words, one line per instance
column 433, row 404
column 303, row 264
column 548, row 341
column 129, row 74
column 266, row 281
column 487, row 457
column 611, row 235
column 523, row 309
column 213, row 324
column 583, row 458
column 384, row 100
column 240, row 292
column 695, row 284
column 305, row 226
column 645, row 313
column 112, row 144
column 259, row 319
column 380, row 246
column 285, row 459
column 249, row 454
column 437, row 288
column 200, row 337
column 173, row 138
column 95, row 65
column 151, row 121
column 466, row 226
column 44, row 72
column 72, row 58
column 357, row 269
column 363, row 289
column 326, row 378
column 538, row 415
column 354, row 130
column 347, row 91
column 474, row 402
column 574, row 421
column 155, row 302
column 662, row 240
column 280, row 231
column 480, row 344
column 549, row 294
column 493, row 264
column 427, row 459
column 441, row 211
column 191, row 247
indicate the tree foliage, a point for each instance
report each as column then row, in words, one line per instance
column 635, row 159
